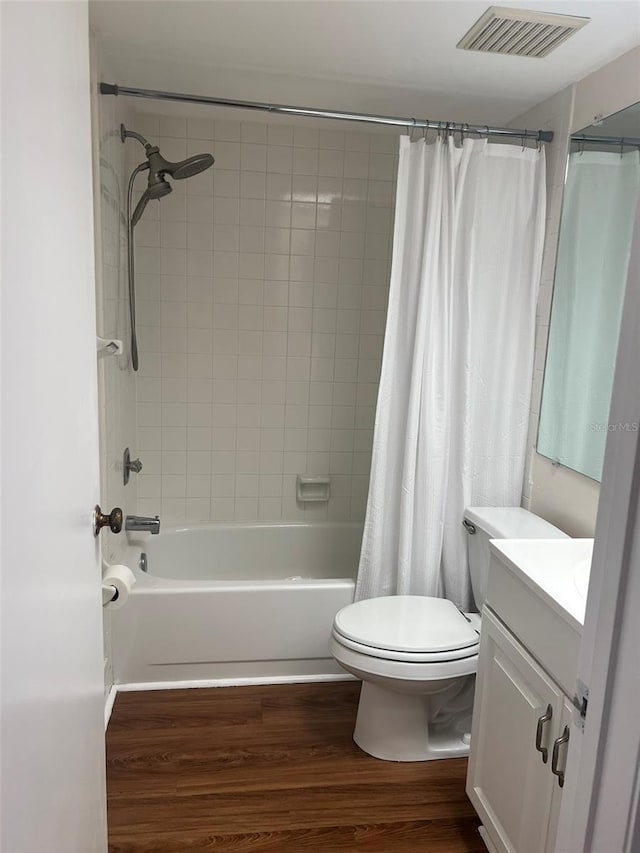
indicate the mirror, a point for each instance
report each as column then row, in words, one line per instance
column 602, row 187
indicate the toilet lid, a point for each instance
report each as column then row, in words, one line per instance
column 406, row 623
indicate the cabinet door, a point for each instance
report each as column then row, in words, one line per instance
column 508, row 783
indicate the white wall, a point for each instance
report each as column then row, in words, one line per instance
column 608, row 90
column 562, row 496
column 262, row 290
column 112, row 163
column 53, row 773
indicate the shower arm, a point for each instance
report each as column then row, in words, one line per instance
column 142, row 167
column 131, row 134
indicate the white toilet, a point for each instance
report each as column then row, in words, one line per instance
column 417, row 656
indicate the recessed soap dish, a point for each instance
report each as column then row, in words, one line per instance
column 312, row 488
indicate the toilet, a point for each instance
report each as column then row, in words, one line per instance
column 417, row 656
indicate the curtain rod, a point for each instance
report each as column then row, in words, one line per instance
column 606, row 140
column 338, row 115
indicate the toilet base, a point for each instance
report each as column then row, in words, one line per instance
column 398, row 726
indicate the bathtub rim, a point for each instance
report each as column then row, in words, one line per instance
column 147, row 582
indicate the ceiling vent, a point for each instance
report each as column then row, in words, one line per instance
column 520, row 32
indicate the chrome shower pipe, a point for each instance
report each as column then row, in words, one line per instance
column 142, row 167
column 337, row 115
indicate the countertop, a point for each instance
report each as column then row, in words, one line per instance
column 557, row 570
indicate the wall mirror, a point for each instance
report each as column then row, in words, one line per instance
column 602, row 188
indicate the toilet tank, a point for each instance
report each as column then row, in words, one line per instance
column 512, row 522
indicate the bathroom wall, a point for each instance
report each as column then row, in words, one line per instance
column 560, row 495
column 112, row 162
column 262, row 290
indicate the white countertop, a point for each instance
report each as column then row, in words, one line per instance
column 557, row 570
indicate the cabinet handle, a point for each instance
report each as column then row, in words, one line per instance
column 564, row 738
column 545, row 718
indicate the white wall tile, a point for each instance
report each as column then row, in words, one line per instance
column 305, row 161
column 172, row 126
column 227, row 130
column 198, row 128
column 258, row 360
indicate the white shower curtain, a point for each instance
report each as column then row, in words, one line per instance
column 453, row 403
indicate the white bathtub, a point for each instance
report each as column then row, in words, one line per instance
column 234, row 602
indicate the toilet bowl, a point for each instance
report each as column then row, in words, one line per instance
column 417, row 656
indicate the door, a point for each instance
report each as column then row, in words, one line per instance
column 601, row 806
column 53, row 785
column 508, row 783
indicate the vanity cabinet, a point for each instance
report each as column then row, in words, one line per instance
column 519, row 713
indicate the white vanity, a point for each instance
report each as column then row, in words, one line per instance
column 531, row 632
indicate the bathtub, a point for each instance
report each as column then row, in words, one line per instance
column 234, row 603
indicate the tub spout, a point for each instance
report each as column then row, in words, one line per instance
column 142, row 523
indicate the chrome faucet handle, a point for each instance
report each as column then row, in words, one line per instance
column 129, row 465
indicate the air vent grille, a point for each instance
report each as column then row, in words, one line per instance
column 520, row 32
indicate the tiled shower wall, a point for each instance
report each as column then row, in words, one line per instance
column 262, row 291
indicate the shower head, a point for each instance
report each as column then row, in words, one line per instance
column 159, row 168
column 156, row 188
column 180, row 170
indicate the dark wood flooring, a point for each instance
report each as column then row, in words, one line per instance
column 271, row 770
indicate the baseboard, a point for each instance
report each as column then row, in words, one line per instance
column 231, row 682
column 108, row 705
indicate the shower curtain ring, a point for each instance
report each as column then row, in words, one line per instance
column 524, row 139
column 621, row 147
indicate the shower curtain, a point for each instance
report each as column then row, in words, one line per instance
column 453, row 403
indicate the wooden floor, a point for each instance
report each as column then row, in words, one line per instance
column 271, row 769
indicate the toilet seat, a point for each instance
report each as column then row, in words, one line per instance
column 407, row 657
column 408, row 628
column 367, row 666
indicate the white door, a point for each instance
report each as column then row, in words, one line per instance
column 508, row 783
column 53, row 778
column 600, row 810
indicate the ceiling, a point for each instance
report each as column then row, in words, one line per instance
column 392, row 56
